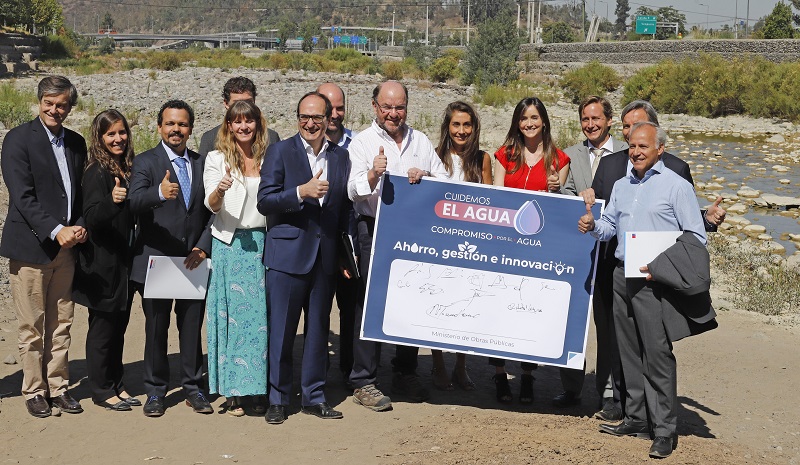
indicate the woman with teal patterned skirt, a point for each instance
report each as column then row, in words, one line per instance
column 236, row 307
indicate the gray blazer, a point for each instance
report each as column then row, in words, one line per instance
column 580, row 170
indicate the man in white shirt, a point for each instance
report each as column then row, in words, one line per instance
column 388, row 145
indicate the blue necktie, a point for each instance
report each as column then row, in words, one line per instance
column 183, row 180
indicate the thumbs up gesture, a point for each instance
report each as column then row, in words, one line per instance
column 553, row 183
column 225, row 183
column 715, row 214
column 379, row 163
column 316, row 188
column 586, row 223
column 169, row 189
column 118, row 193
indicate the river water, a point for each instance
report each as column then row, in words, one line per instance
column 737, row 162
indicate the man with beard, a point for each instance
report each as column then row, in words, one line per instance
column 173, row 222
column 389, row 144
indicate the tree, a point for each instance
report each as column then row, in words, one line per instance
column 795, row 16
column 556, row 33
column 666, row 14
column 778, row 24
column 482, row 10
column 622, row 10
column 46, row 14
column 286, row 30
column 108, row 21
column 492, row 57
column 308, row 29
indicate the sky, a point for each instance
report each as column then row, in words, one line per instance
column 719, row 11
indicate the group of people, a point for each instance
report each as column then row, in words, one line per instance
column 270, row 214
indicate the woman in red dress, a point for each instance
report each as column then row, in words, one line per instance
column 527, row 160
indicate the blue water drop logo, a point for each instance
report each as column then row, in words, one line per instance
column 529, row 219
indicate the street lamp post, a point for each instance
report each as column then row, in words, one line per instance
column 705, row 5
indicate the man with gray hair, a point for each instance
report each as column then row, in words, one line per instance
column 649, row 198
column 42, row 166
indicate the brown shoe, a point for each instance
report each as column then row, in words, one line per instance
column 66, row 403
column 38, row 407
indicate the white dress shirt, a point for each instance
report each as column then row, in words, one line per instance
column 57, row 142
column 416, row 151
column 316, row 162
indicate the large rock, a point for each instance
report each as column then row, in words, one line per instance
column 773, row 200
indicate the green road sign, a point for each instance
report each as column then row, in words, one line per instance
column 646, row 24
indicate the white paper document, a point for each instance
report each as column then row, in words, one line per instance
column 168, row 278
column 642, row 247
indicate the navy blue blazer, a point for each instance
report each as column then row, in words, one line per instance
column 166, row 228
column 299, row 231
column 37, row 200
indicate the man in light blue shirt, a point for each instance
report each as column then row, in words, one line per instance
column 650, row 197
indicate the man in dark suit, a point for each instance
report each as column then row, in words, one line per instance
column 166, row 192
column 596, row 118
column 610, row 169
column 303, row 192
column 42, row 166
column 237, row 88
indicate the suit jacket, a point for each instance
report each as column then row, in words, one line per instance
column 166, row 228
column 297, row 232
column 580, row 170
column 613, row 168
column 684, row 271
column 101, row 277
column 208, row 141
column 37, row 196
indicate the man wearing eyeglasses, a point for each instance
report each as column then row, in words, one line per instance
column 303, row 192
column 388, row 145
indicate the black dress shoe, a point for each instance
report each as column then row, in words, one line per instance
column 625, row 429
column 609, row 411
column 663, row 447
column 66, row 403
column 154, row 407
column 132, row 401
column 276, row 414
column 199, row 403
column 566, row 399
column 38, row 406
column 120, row 406
column 323, row 410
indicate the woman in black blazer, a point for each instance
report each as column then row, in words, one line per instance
column 101, row 277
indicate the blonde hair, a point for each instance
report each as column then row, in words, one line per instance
column 226, row 142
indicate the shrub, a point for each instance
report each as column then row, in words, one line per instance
column 342, row 54
column 106, row 46
column 497, row 96
column 166, row 61
column 15, row 106
column 443, row 69
column 393, row 70
column 58, row 46
column 592, row 79
column 492, row 57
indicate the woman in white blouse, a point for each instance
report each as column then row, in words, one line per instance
column 236, row 301
column 461, row 155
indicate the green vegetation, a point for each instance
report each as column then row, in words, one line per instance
column 755, row 280
column 714, row 86
column 15, row 106
column 778, row 24
column 592, row 79
column 491, row 58
column 497, row 95
column 556, row 33
column 58, row 46
column 446, row 67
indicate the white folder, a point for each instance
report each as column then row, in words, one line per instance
column 168, row 278
column 642, row 247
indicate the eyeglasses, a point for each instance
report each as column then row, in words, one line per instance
column 388, row 108
column 315, row 118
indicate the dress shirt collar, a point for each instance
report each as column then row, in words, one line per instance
column 658, row 168
column 310, row 150
column 347, row 136
column 608, row 147
column 172, row 155
column 384, row 135
column 55, row 139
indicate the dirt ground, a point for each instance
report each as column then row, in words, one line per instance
column 737, row 386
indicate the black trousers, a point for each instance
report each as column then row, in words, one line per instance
column 347, row 291
column 104, row 344
column 366, row 354
column 189, row 319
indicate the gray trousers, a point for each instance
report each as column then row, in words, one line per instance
column 648, row 364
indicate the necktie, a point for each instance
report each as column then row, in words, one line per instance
column 183, row 180
column 598, row 153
